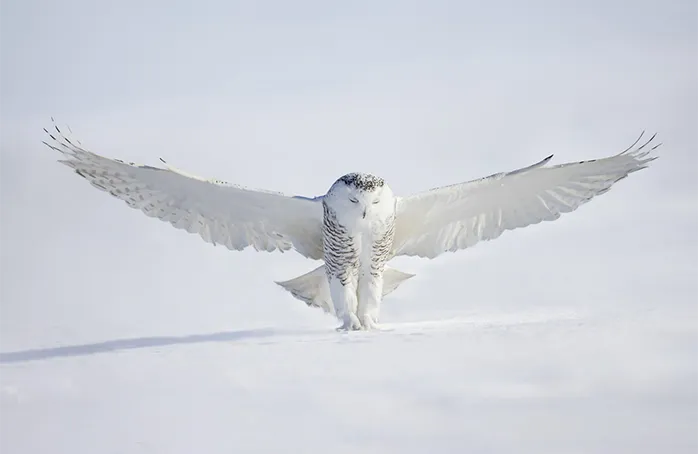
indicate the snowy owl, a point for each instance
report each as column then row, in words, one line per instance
column 359, row 224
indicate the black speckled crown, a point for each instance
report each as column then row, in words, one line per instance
column 363, row 181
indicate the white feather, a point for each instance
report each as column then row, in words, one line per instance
column 459, row 216
column 219, row 212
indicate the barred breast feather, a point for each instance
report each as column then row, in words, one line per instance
column 340, row 253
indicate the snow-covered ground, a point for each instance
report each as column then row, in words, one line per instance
column 120, row 334
column 520, row 382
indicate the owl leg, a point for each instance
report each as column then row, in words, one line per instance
column 370, row 296
column 345, row 303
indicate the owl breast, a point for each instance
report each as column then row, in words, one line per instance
column 353, row 249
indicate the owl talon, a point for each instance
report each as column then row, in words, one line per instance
column 350, row 323
column 370, row 322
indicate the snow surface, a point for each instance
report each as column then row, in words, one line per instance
column 515, row 382
column 120, row 334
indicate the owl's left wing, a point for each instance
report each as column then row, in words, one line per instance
column 219, row 212
column 459, row 216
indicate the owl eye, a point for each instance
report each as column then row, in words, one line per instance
column 376, row 201
column 352, row 200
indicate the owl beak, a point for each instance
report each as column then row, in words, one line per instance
column 364, row 213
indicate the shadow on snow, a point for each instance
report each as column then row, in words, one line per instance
column 487, row 321
column 133, row 343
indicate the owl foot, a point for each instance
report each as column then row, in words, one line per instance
column 370, row 322
column 350, row 323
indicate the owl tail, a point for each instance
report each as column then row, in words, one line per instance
column 313, row 288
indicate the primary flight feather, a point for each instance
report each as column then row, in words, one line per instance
column 359, row 224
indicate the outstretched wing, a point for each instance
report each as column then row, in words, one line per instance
column 459, row 216
column 219, row 212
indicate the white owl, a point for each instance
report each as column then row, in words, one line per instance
column 359, row 224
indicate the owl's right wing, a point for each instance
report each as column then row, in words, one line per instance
column 219, row 212
column 459, row 216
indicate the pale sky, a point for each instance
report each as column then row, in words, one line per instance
column 291, row 95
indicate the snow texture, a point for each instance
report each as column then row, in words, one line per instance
column 514, row 382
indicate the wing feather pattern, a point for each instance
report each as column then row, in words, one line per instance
column 461, row 215
column 221, row 213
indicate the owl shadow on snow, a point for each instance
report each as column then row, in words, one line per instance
column 138, row 343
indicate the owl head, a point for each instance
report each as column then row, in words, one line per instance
column 361, row 196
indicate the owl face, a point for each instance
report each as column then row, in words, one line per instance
column 361, row 198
